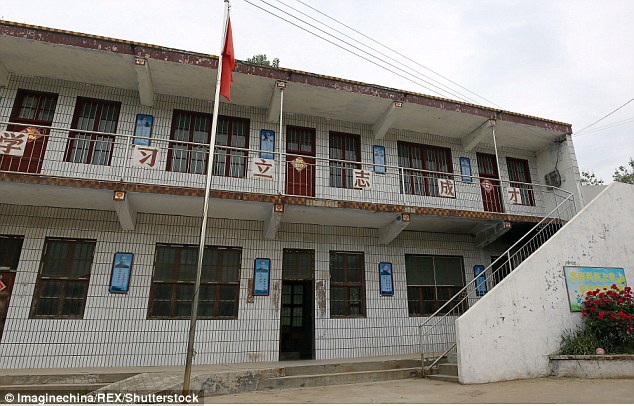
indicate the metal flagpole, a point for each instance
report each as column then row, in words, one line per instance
column 203, row 228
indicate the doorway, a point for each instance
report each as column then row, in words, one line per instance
column 490, row 183
column 297, row 320
column 300, row 161
column 10, row 249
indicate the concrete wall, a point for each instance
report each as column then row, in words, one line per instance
column 561, row 156
column 510, row 332
column 593, row 366
column 589, row 192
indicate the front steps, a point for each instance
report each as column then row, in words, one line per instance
column 446, row 370
column 57, row 381
column 229, row 379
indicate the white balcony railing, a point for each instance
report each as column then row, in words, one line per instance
column 62, row 152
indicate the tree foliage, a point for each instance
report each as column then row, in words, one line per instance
column 624, row 174
column 589, row 178
column 261, row 59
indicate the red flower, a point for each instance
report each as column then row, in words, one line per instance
column 614, row 286
column 601, row 315
column 612, row 316
column 584, row 313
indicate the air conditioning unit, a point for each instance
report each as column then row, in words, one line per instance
column 553, row 178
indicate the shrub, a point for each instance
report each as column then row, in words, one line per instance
column 608, row 315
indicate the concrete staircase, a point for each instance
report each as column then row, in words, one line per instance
column 445, row 370
column 57, row 381
column 239, row 378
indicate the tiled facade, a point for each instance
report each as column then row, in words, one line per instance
column 115, row 330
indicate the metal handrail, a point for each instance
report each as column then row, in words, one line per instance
column 474, row 284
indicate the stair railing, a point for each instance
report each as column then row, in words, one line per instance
column 437, row 334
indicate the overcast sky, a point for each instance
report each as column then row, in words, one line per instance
column 570, row 61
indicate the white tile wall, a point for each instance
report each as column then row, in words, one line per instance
column 115, row 330
column 385, row 190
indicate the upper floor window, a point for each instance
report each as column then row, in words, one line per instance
column 85, row 146
column 344, row 147
column 34, row 107
column 62, row 282
column 416, row 162
column 232, row 133
column 347, row 284
column 175, row 274
column 190, row 155
column 431, row 282
column 518, row 172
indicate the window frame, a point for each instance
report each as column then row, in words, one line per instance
column 436, row 302
column 526, row 190
column 189, row 143
column 347, row 285
column 19, row 103
column 230, row 151
column 175, row 283
column 37, row 294
column 346, row 168
column 409, row 172
column 75, row 132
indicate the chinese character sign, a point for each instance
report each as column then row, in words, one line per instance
column 481, row 283
column 145, row 157
column 580, row 280
column 362, row 179
column 386, row 280
column 263, row 169
column 514, row 194
column 12, row 143
column 261, row 276
column 446, row 188
column 120, row 274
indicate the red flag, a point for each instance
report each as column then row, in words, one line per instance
column 228, row 64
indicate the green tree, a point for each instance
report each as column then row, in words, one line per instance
column 261, row 59
column 589, row 178
column 624, row 174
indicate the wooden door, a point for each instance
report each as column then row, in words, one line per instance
column 300, row 161
column 7, row 280
column 490, row 183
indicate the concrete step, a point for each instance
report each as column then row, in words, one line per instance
column 341, row 378
column 446, row 378
column 59, row 377
column 448, row 369
column 343, row 367
column 51, row 388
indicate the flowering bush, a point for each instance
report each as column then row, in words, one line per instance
column 609, row 317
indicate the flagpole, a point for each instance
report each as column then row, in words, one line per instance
column 203, row 228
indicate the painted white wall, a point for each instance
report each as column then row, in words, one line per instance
column 509, row 333
column 589, row 192
column 561, row 155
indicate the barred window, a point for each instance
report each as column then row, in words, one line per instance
column 347, row 284
column 63, row 278
column 174, row 277
column 344, row 147
column 431, row 282
column 85, row 146
column 232, row 133
column 518, row 172
column 416, row 161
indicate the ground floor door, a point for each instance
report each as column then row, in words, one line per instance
column 297, row 326
column 7, row 280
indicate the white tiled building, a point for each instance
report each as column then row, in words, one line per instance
column 440, row 203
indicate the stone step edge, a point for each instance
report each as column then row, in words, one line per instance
column 411, row 372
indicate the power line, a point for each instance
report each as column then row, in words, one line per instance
column 608, row 126
column 440, row 85
column 604, row 117
column 398, row 53
column 353, row 46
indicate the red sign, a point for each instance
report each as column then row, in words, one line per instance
column 487, row 185
column 2, row 286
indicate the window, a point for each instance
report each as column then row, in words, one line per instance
column 188, row 127
column 175, row 275
column 347, row 284
column 344, row 147
column 415, row 160
column 93, row 115
column 10, row 249
column 62, row 282
column 431, row 282
column 518, row 172
column 232, row 132
column 30, row 108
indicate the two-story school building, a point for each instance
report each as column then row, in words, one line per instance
column 342, row 214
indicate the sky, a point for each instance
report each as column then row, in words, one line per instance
column 570, row 61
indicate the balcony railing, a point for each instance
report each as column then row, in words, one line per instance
column 51, row 151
